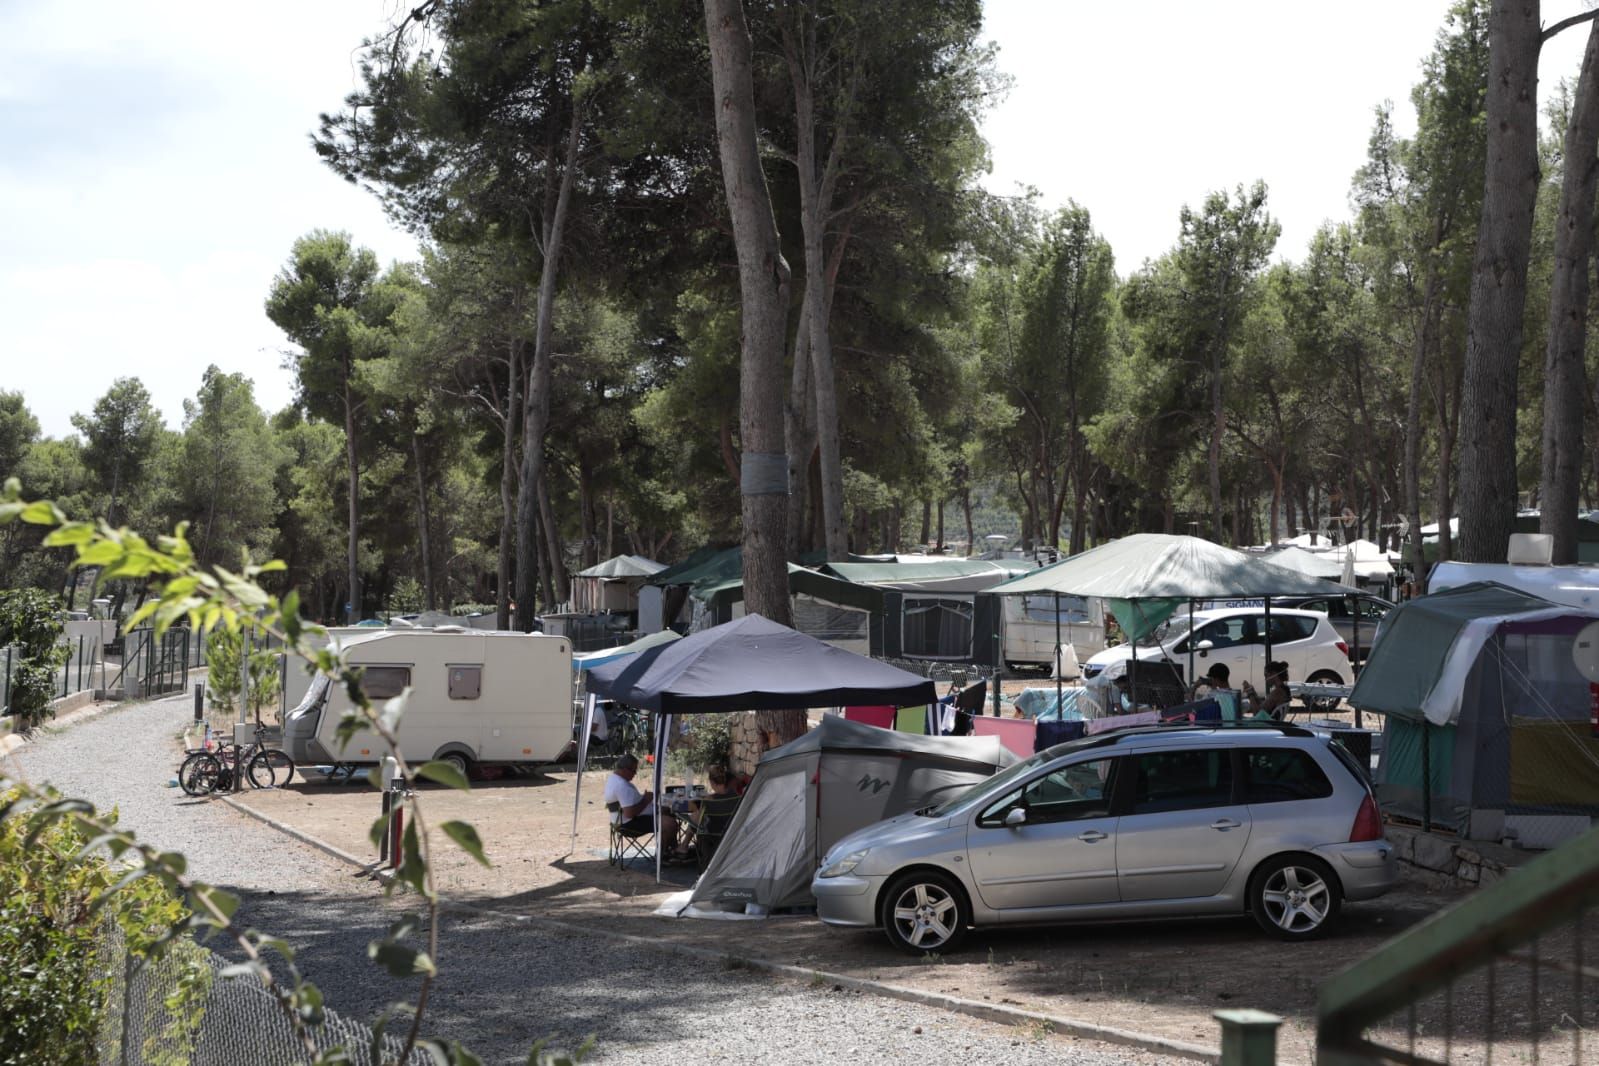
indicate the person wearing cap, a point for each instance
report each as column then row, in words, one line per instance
column 1217, row 679
column 635, row 814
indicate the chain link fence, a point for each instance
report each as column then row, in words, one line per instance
column 179, row 1010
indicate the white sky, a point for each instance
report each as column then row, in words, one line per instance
column 155, row 168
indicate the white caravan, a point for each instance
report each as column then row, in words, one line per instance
column 476, row 697
column 1030, row 629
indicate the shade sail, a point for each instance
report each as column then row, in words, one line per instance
column 754, row 664
column 1329, row 566
column 1164, row 566
column 944, row 575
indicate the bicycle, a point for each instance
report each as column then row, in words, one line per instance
column 203, row 772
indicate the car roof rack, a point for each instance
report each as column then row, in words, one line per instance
column 1111, row 736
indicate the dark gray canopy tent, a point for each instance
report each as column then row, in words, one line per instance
column 750, row 664
column 813, row 791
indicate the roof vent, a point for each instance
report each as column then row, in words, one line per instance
column 1530, row 549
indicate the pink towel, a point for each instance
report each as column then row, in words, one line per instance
column 1121, row 721
column 881, row 717
column 1017, row 734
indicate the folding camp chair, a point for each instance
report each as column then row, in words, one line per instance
column 627, row 843
column 716, row 814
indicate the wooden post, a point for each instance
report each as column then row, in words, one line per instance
column 1248, row 1037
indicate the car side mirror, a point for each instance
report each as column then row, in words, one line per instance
column 1205, row 646
column 1015, row 816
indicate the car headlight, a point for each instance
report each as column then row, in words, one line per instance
column 843, row 864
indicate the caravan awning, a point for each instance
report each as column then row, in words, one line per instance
column 1428, row 645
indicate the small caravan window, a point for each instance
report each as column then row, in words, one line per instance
column 466, row 682
column 385, row 682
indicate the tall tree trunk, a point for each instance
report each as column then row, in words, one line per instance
column 532, row 502
column 799, row 438
column 587, row 515
column 938, row 540
column 966, row 510
column 508, row 472
column 927, row 521
column 1218, row 425
column 423, row 521
column 1568, row 315
column 353, row 470
column 1425, row 334
column 764, row 278
column 1499, row 284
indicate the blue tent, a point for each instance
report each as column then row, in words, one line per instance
column 588, row 660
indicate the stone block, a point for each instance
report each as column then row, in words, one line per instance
column 1490, row 875
column 1404, row 845
column 1435, row 853
column 1468, row 855
column 1468, row 871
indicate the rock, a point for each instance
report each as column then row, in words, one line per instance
column 1434, row 853
column 1468, row 871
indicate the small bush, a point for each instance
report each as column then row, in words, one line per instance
column 52, row 927
column 30, row 619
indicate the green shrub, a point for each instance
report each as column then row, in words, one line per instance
column 30, row 619
column 55, row 976
column 709, row 742
column 224, row 649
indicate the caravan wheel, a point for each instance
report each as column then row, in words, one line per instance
column 462, row 764
column 925, row 911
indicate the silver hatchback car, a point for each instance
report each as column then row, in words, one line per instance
column 1276, row 820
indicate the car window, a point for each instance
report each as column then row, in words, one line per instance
column 1182, row 780
column 1313, row 605
column 385, row 682
column 1285, row 629
column 1372, row 612
column 1071, row 793
column 1280, row 775
column 1229, row 632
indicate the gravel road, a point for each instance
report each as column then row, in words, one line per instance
column 504, row 984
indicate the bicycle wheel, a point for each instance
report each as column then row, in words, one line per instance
column 200, row 774
column 259, row 771
column 282, row 765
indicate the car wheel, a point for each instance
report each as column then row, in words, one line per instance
column 924, row 912
column 1294, row 897
column 1324, row 704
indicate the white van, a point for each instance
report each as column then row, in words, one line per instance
column 476, row 697
column 1028, row 623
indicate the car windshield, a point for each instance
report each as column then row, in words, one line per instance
column 965, row 801
column 1171, row 629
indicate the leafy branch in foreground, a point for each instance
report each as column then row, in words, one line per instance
column 218, row 599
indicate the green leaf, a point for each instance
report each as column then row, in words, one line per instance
column 271, row 567
column 445, row 774
column 467, row 838
column 245, row 969
column 380, row 828
column 99, row 553
column 73, row 533
column 10, row 510
column 212, row 905
column 399, row 960
column 43, row 513
column 413, row 871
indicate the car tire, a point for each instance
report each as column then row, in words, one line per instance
column 1324, row 704
column 924, row 912
column 1294, row 897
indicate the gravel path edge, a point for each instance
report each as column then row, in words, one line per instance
column 992, row 1012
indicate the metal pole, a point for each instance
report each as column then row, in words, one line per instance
column 1263, row 666
column 244, row 673
column 1057, row 655
column 1191, row 678
column 80, row 661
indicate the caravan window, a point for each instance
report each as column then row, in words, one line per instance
column 385, row 682
column 466, row 682
column 1041, row 608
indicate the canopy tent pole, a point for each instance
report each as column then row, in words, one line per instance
column 663, row 729
column 582, row 761
column 1267, row 619
column 1192, row 680
column 1057, row 655
column 1354, row 661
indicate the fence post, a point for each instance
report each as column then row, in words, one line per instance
column 80, row 662
column 1248, row 1037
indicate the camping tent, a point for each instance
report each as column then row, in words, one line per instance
column 612, row 585
column 585, row 661
column 928, row 609
column 1484, row 703
column 1328, row 565
column 751, row 664
column 812, row 791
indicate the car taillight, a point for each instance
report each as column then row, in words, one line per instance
column 1368, row 823
column 1343, row 647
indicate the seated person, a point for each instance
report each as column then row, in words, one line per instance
column 1275, row 702
column 1218, row 679
column 635, row 815
column 712, row 814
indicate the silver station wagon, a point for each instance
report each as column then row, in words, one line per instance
column 1275, row 820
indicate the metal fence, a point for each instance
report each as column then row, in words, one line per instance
column 179, row 1009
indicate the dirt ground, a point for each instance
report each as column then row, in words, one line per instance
column 1164, row 979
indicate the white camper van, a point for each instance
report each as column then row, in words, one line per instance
column 476, row 697
column 1571, row 586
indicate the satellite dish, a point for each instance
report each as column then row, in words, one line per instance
column 1585, row 651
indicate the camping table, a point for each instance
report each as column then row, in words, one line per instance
column 675, row 802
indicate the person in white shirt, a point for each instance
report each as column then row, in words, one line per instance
column 635, row 812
